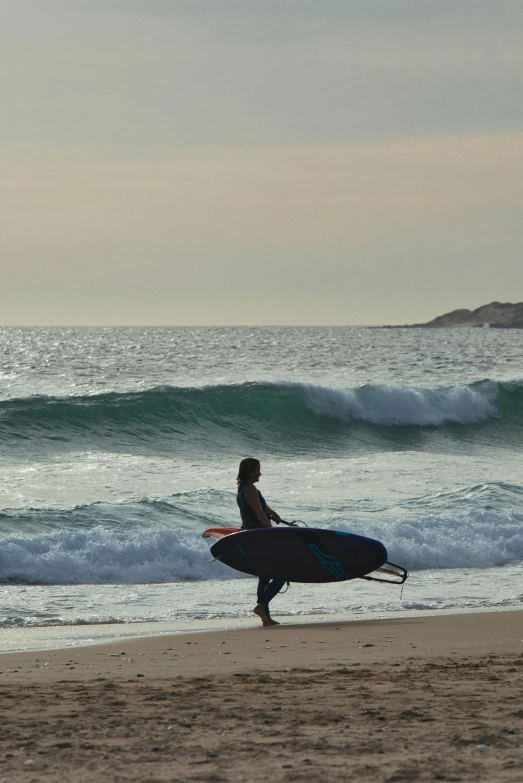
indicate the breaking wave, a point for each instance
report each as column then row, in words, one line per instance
column 151, row 541
column 284, row 416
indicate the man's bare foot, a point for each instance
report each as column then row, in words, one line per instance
column 273, row 622
column 260, row 611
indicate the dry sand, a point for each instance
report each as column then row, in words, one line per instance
column 432, row 698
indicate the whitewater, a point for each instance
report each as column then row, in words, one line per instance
column 119, row 446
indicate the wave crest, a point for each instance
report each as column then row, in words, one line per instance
column 282, row 416
column 474, row 539
column 401, row 406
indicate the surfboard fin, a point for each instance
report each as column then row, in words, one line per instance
column 393, row 570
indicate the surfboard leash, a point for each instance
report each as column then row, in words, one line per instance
column 294, row 523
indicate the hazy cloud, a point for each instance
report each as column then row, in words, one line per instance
column 202, row 220
column 164, row 160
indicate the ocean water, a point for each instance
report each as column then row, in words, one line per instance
column 119, row 446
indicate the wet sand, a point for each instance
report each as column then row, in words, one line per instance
column 427, row 698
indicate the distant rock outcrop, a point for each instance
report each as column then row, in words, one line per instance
column 500, row 315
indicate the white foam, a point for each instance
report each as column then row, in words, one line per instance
column 475, row 539
column 401, row 405
column 102, row 556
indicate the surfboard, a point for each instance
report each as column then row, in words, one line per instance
column 297, row 554
column 219, row 532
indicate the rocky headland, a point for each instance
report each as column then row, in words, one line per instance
column 499, row 315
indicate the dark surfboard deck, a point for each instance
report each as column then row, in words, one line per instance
column 298, row 554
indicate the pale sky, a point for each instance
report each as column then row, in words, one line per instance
column 259, row 161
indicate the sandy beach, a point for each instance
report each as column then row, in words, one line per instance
column 429, row 698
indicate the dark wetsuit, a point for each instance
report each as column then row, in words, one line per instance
column 267, row 588
column 248, row 515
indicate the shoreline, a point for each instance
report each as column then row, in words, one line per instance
column 380, row 638
column 70, row 637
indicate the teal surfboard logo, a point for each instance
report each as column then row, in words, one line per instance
column 329, row 562
column 246, row 556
